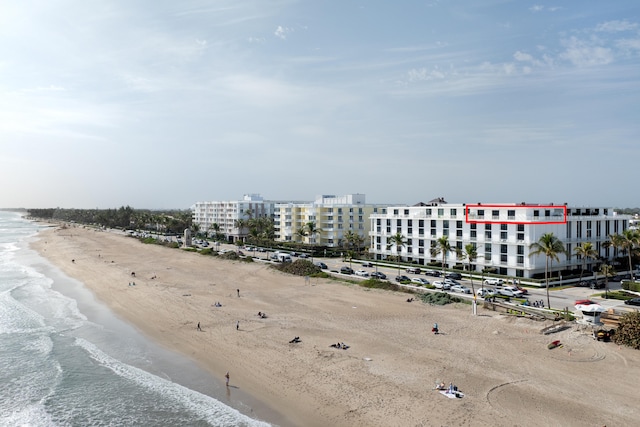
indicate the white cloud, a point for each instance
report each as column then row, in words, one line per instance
column 616, row 26
column 628, row 44
column 282, row 32
column 520, row 56
column 423, row 74
column 586, row 53
column 536, row 8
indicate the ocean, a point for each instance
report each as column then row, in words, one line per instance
column 66, row 360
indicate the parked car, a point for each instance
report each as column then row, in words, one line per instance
column 362, row 273
column 367, row 264
column 414, row 270
column 441, row 285
column 461, row 289
column 454, row 276
column 523, row 290
column 510, row 291
column 485, row 293
column 451, row 282
column 420, row 281
column 632, row 301
column 304, row 256
column 322, row 265
column 378, row 275
column 494, row 281
column 432, row 273
column 346, row 270
column 402, row 279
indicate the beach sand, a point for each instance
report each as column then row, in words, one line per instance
column 387, row 375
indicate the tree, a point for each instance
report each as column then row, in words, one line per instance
column 312, row 230
column 470, row 254
column 585, row 251
column 607, row 271
column 398, row 241
column 442, row 247
column 627, row 242
column 240, row 224
column 551, row 247
column 301, row 233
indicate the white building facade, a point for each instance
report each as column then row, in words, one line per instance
column 501, row 233
column 225, row 214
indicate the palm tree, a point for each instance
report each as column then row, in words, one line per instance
column 627, row 242
column 585, row 251
column 607, row 271
column 301, row 233
column 470, row 254
column 312, row 230
column 549, row 246
column 399, row 241
column 240, row 224
column 442, row 247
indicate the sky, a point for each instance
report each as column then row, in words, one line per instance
column 160, row 104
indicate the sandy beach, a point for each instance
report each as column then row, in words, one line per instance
column 386, row 376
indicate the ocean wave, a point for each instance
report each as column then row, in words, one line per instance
column 214, row 412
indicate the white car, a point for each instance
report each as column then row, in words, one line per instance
column 494, row 281
column 461, row 289
column 485, row 293
column 510, row 291
column 420, row 281
column 362, row 273
column 441, row 285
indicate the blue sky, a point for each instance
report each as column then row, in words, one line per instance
column 159, row 104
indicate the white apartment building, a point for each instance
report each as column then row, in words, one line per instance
column 502, row 234
column 333, row 215
column 226, row 213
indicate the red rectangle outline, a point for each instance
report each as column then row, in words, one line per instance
column 564, row 208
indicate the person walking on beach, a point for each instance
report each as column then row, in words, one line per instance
column 238, row 325
column 199, row 326
column 238, row 290
column 227, row 378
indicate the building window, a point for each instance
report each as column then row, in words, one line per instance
column 440, row 212
column 511, row 214
column 495, row 214
column 458, row 224
column 487, row 235
column 433, row 232
column 459, row 233
column 520, row 250
column 480, row 213
column 445, row 224
column 503, row 235
column 445, row 232
column 503, row 258
column 453, row 212
column 520, row 260
column 503, row 227
column 473, row 234
column 487, row 247
column 520, row 237
column 433, row 223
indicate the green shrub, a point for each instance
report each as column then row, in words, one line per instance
column 439, row 298
column 628, row 331
column 300, row 267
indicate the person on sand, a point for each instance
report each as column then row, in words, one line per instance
column 198, row 327
column 238, row 290
column 238, row 325
column 435, row 329
column 227, row 378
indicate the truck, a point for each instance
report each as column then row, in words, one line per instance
column 283, row 257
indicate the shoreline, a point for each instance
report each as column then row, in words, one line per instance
column 385, row 378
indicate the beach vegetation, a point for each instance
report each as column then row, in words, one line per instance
column 439, row 298
column 300, row 267
column 628, row 331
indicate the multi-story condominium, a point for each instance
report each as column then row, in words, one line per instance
column 501, row 233
column 333, row 216
column 226, row 214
